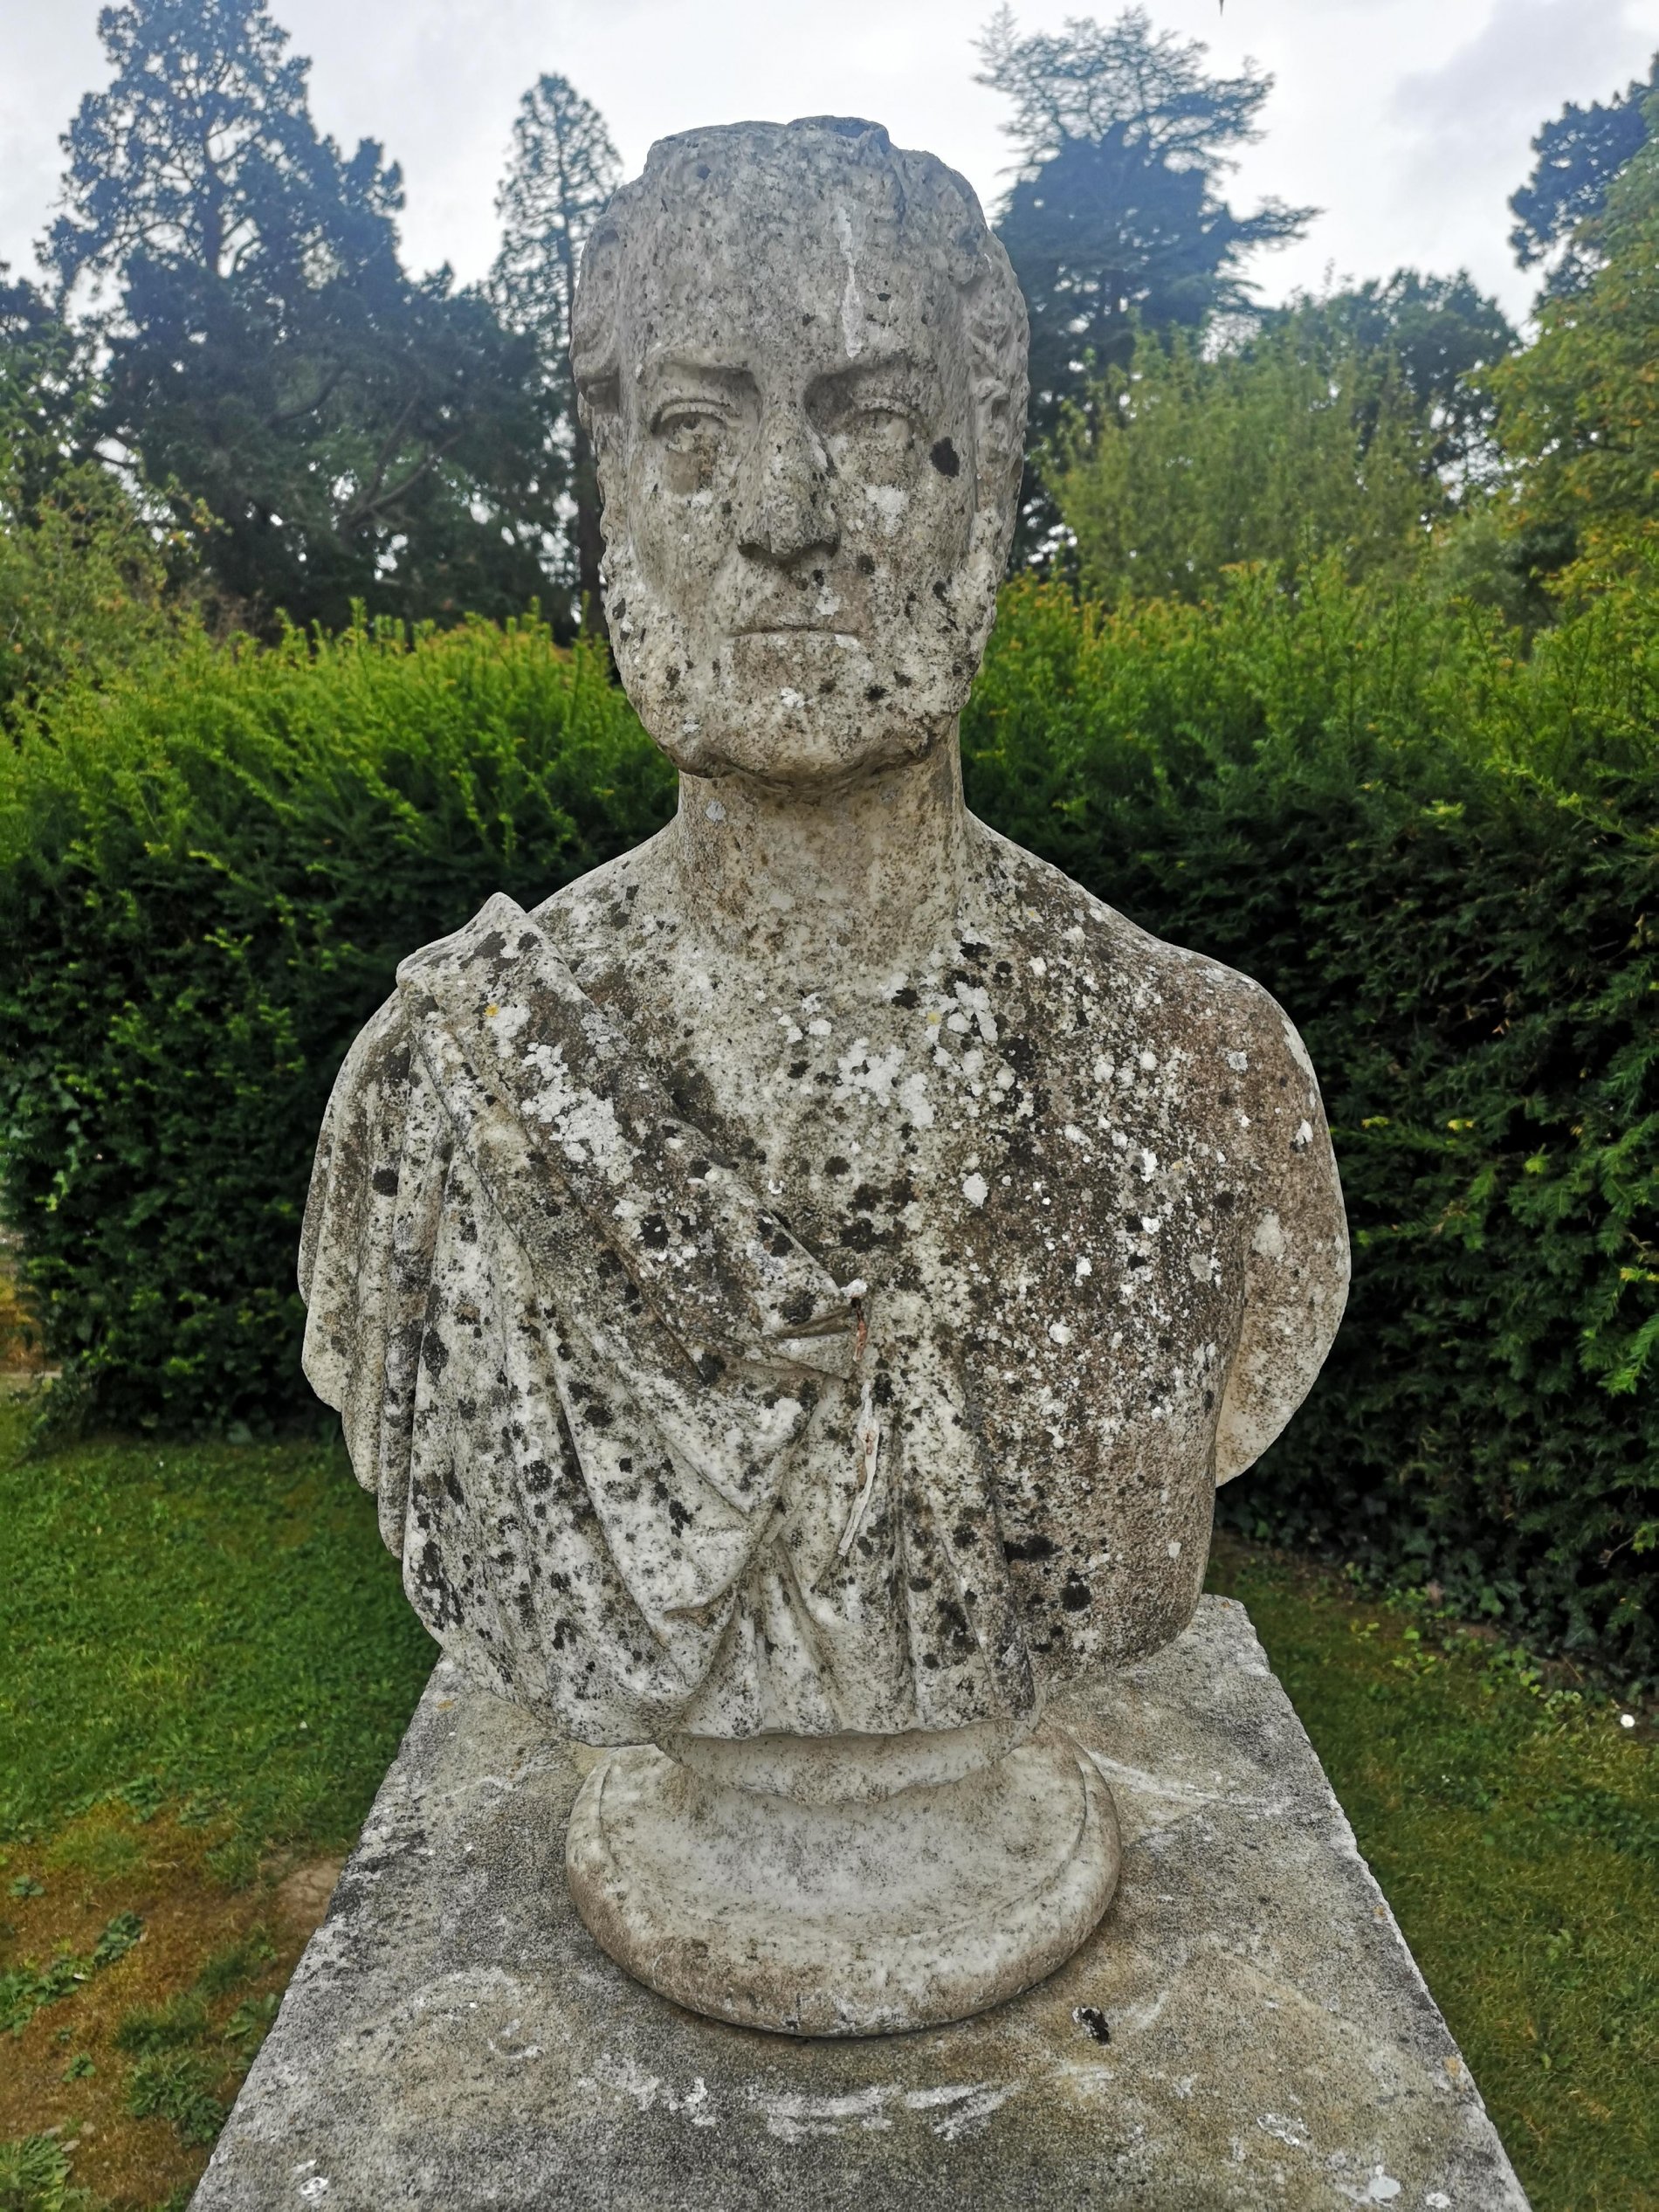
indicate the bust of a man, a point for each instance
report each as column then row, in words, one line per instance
column 796, row 1292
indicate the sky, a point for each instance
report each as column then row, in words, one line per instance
column 1407, row 122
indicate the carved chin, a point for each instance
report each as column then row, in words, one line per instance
column 789, row 707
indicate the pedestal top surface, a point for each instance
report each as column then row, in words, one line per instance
column 1246, row 2029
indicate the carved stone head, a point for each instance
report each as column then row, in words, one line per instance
column 801, row 356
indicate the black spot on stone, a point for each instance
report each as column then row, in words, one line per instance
column 702, row 170
column 906, row 997
column 1074, row 1596
column 386, row 1182
column 710, row 1367
column 835, row 1164
column 1093, row 2022
column 866, row 564
column 875, row 693
column 938, row 589
column 653, row 1233
column 797, row 1069
column 945, row 458
column 1030, row 1547
column 679, row 1515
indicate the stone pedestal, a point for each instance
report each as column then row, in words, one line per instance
column 1245, row 2029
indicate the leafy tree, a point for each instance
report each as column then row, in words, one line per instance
column 84, row 576
column 563, row 169
column 1579, row 409
column 1115, row 216
column 354, row 435
column 1443, row 334
column 1578, row 155
column 1284, row 451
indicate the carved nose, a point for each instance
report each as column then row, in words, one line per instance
column 790, row 511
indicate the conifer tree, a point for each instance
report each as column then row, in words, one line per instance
column 563, row 170
column 353, row 434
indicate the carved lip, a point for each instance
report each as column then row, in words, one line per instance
column 796, row 630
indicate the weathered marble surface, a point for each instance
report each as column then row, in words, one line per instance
column 804, row 1281
column 454, row 2039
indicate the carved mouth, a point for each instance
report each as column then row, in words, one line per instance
column 798, row 629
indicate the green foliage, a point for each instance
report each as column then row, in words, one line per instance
column 1294, row 447
column 1512, row 1824
column 1116, row 215
column 235, row 1963
column 82, row 585
column 563, row 169
column 1579, row 409
column 34, row 2177
column 149, row 2028
column 1578, row 155
column 25, row 1989
column 1439, row 335
column 83, row 576
column 206, row 882
column 178, row 2085
column 329, row 428
column 1441, row 857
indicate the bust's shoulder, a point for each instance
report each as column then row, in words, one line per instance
column 1090, row 961
column 595, row 918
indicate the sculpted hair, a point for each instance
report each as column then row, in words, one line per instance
column 937, row 215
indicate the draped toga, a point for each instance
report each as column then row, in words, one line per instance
column 647, row 1464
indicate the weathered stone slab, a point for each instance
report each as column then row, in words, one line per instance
column 1246, row 2029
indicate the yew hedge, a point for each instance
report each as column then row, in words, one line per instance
column 1438, row 850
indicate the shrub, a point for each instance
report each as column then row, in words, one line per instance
column 1437, row 850
column 206, row 881
column 1442, row 858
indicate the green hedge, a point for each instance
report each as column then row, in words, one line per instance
column 205, row 886
column 1439, row 854
column 1442, row 858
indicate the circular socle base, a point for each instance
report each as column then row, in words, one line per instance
column 843, row 1920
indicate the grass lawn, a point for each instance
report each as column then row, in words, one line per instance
column 209, row 1661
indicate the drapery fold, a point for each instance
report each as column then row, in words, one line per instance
column 610, row 1403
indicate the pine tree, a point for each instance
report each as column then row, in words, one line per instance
column 563, row 170
column 353, row 435
column 1115, row 220
column 1579, row 153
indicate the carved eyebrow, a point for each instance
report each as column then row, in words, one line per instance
column 900, row 371
column 662, row 363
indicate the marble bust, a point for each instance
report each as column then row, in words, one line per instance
column 794, row 1293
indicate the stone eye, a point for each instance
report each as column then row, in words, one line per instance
column 689, row 429
column 693, row 438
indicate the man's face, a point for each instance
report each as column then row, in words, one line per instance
column 786, row 547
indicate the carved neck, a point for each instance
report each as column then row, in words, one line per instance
column 864, row 878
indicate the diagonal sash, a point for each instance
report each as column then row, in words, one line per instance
column 662, row 1256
